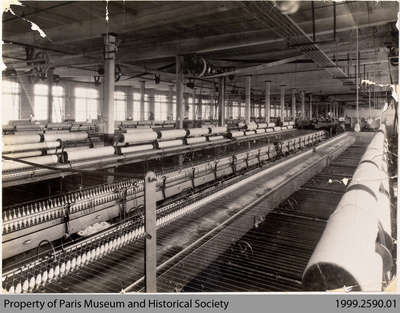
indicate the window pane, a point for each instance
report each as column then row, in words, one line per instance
column 10, row 106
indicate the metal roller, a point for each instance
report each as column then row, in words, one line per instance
column 20, row 139
column 171, row 134
column 196, row 132
column 168, row 144
column 271, row 124
column 218, row 130
column 31, row 146
column 136, row 148
column 58, row 125
column 73, row 136
column 140, row 129
column 269, row 130
column 20, row 155
column 277, row 128
column 262, row 125
column 97, row 152
column 215, row 138
column 191, row 141
column 42, row 160
column 285, row 123
column 138, row 137
column 250, row 132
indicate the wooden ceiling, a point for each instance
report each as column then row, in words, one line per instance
column 152, row 33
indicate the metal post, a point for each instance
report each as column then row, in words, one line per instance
column 248, row 100
column 193, row 105
column 282, row 102
column 311, row 110
column 221, row 108
column 142, row 93
column 267, row 108
column 179, row 92
column 110, row 48
column 150, row 231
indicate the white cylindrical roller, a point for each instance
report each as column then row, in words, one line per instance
column 251, row 126
column 20, row 155
column 285, row 123
column 234, row 134
column 138, row 137
column 191, row 141
column 269, row 130
column 136, row 148
column 218, row 130
column 271, row 124
column 20, row 139
column 97, row 152
column 171, row 134
column 42, row 160
column 277, row 128
column 345, row 254
column 260, row 131
column 214, row 138
column 196, row 132
column 170, row 143
column 58, row 125
column 250, row 132
column 31, row 146
column 262, row 125
column 73, row 136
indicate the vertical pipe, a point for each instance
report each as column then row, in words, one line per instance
column 267, row 109
column 221, row 107
column 357, row 82
column 179, row 92
column 200, row 105
column 248, row 100
column 150, row 231
column 282, row 113
column 109, row 85
column 212, row 104
column 142, row 93
column 311, row 109
column 303, row 106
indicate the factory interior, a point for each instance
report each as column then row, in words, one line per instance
column 199, row 146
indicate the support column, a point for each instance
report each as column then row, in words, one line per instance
column 142, row 93
column 109, row 86
column 170, row 106
column 179, row 92
column 282, row 114
column 247, row 110
column 50, row 95
column 221, row 107
column 129, row 102
column 311, row 108
column 267, row 108
column 303, row 105
column 152, row 105
column 293, row 104
column 194, row 109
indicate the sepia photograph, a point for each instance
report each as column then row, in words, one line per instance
column 199, row 147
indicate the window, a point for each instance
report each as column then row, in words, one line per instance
column 160, row 107
column 136, row 106
column 10, row 101
column 205, row 109
column 58, row 104
column 235, row 110
column 40, row 110
column 174, row 107
column 242, row 110
column 86, row 103
column 119, row 106
column 193, row 107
